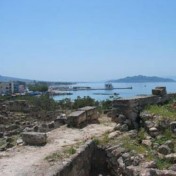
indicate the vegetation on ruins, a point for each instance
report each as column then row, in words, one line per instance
column 67, row 152
column 166, row 111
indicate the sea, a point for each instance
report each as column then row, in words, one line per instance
column 138, row 89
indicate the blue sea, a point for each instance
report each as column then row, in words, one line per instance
column 137, row 89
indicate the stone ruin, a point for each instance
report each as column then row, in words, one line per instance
column 34, row 138
column 127, row 111
column 82, row 117
column 37, row 134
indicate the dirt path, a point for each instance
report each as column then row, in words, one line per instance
column 29, row 160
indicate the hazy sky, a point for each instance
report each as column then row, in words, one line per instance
column 76, row 40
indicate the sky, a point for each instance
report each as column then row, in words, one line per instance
column 87, row 40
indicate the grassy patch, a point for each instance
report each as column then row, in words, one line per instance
column 167, row 111
column 142, row 134
column 167, row 135
column 103, row 140
column 58, row 155
column 149, row 154
column 133, row 145
column 163, row 163
column 2, row 142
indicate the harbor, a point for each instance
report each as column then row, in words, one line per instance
column 107, row 86
column 98, row 92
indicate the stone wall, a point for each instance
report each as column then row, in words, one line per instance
column 17, row 106
column 130, row 108
column 89, row 160
column 91, row 113
column 79, row 164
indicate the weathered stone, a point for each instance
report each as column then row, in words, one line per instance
column 149, row 124
column 170, row 144
column 150, row 164
column 51, row 125
column 147, row 172
column 118, row 152
column 114, row 134
column 159, row 91
column 132, row 171
column 121, row 163
column 91, row 113
column 164, row 149
column 117, row 127
column 137, row 160
column 173, row 126
column 17, row 122
column 171, row 157
column 1, row 134
column 121, row 118
column 44, row 125
column 60, row 120
column 76, row 119
column 13, row 132
column 173, row 167
column 35, row 128
column 165, row 173
column 43, row 128
column 153, row 131
column 163, row 124
column 12, row 127
column 125, row 155
column 27, row 129
column 155, row 146
column 34, row 138
column 124, row 127
column 128, row 122
column 147, row 143
column 132, row 133
column 19, row 141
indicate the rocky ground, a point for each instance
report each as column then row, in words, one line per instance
column 23, row 160
column 147, row 151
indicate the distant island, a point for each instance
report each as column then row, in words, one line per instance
column 141, row 79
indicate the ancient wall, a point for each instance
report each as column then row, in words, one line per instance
column 128, row 110
column 82, row 117
column 18, row 106
column 91, row 113
column 79, row 164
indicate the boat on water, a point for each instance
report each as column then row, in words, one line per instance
column 108, row 86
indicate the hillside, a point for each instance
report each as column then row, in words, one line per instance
column 142, row 79
column 7, row 79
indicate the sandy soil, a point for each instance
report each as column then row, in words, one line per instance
column 30, row 161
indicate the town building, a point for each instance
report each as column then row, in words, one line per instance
column 5, row 88
column 8, row 88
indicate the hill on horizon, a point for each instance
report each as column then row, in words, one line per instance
column 142, row 79
column 8, row 78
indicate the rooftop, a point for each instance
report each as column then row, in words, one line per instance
column 76, row 113
column 87, row 108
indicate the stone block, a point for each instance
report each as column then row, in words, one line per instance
column 34, row 138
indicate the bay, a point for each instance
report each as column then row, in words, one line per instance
column 137, row 89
